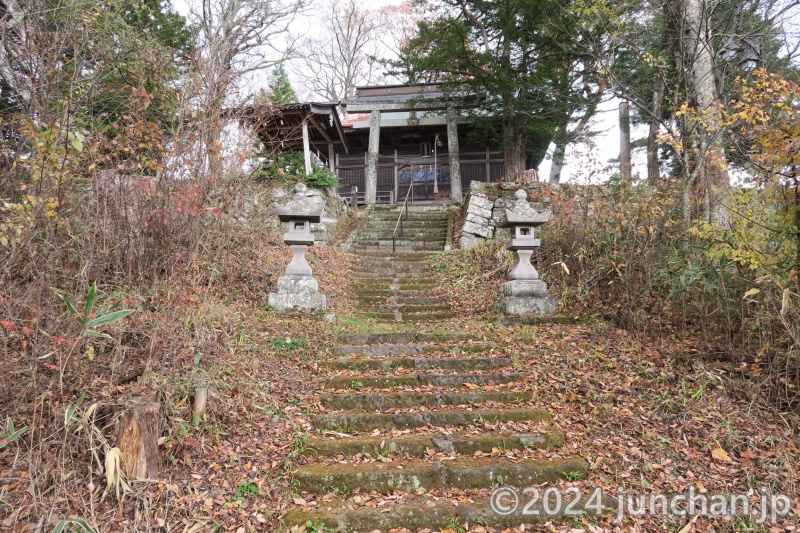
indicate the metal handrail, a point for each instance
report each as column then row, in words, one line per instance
column 403, row 208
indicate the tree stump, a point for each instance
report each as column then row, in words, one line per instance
column 138, row 441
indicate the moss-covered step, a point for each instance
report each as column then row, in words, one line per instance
column 400, row 248
column 366, row 421
column 459, row 473
column 413, row 349
column 402, row 299
column 389, row 271
column 412, row 317
column 361, row 294
column 419, row 445
column 398, row 400
column 353, row 339
column 388, row 258
column 414, row 231
column 402, row 280
column 404, row 309
column 411, row 241
column 395, row 283
column 355, row 381
column 387, row 364
column 428, row 513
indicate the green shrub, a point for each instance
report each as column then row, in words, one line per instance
column 322, row 178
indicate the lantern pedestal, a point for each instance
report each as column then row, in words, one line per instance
column 528, row 298
column 297, row 289
column 298, row 293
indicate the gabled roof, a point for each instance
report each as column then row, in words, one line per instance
column 282, row 124
column 425, row 96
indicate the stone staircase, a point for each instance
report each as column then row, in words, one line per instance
column 425, row 230
column 400, row 285
column 414, row 431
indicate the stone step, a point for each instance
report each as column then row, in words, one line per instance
column 388, row 256
column 408, row 233
column 392, row 287
column 358, row 339
column 365, row 421
column 405, row 279
column 412, row 207
column 419, row 445
column 381, row 294
column 388, row 364
column 393, row 216
column 372, row 292
column 382, row 308
column 390, row 224
column 425, row 300
column 417, row 380
column 427, row 513
column 408, row 228
column 381, row 238
column 399, row 241
column 408, row 270
column 411, row 224
column 413, row 317
column 460, row 473
column 412, row 349
column 380, row 300
column 369, row 273
column 387, row 265
column 399, row 400
column 397, row 250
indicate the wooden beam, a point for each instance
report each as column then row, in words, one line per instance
column 429, row 104
column 320, row 129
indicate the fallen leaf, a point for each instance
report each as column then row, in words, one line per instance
column 721, row 455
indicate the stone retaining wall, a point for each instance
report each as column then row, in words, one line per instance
column 482, row 210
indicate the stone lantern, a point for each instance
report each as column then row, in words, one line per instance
column 524, row 293
column 297, row 289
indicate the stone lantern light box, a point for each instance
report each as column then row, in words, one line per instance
column 297, row 288
column 524, row 293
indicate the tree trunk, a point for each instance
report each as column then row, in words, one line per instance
column 653, row 166
column 709, row 158
column 558, row 163
column 513, row 149
column 625, row 141
column 138, row 441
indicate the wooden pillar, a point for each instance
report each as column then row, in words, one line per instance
column 396, row 178
column 331, row 160
column 371, row 186
column 455, row 164
column 306, row 148
column 488, row 167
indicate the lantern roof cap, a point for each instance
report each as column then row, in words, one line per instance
column 301, row 206
column 522, row 213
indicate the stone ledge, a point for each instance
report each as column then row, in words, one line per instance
column 536, row 320
column 527, row 306
column 298, row 301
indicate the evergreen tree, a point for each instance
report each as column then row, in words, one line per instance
column 280, row 87
column 516, row 55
